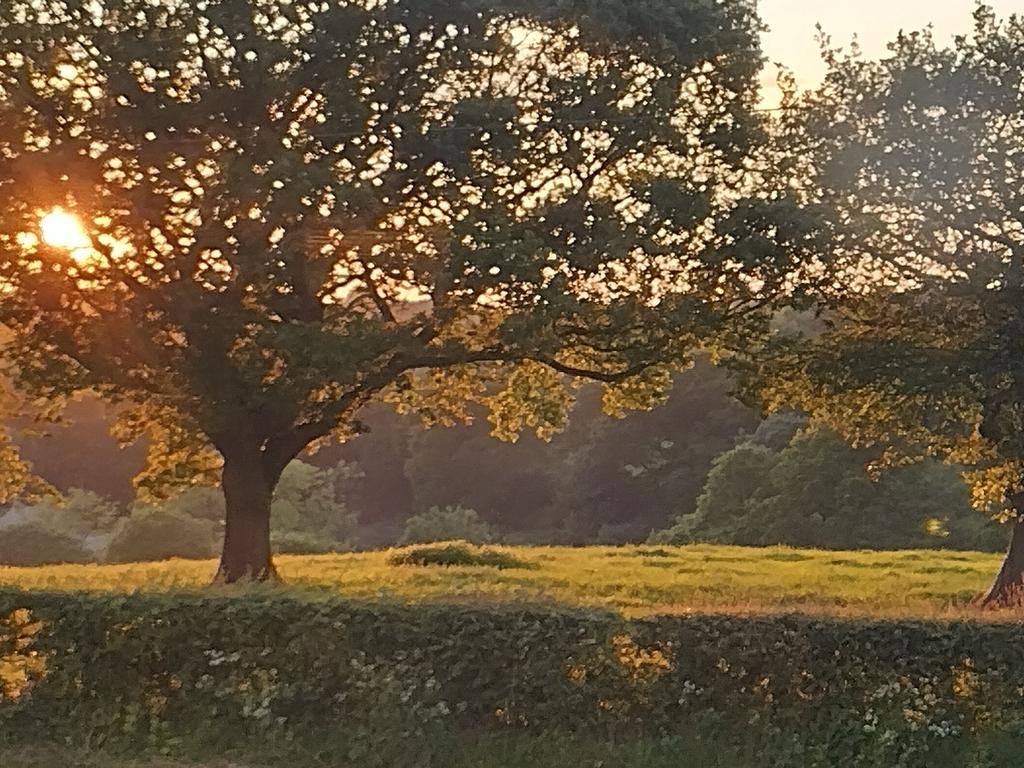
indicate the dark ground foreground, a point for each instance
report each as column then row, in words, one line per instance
column 552, row 753
column 530, row 752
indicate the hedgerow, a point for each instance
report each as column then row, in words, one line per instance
column 334, row 678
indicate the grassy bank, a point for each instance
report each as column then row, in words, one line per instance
column 633, row 580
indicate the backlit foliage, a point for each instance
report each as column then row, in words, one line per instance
column 295, row 207
column 917, row 157
column 17, row 480
column 21, row 664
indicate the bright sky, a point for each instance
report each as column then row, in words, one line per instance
column 791, row 40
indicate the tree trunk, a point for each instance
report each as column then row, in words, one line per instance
column 247, row 496
column 1008, row 588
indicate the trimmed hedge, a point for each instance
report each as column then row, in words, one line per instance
column 271, row 671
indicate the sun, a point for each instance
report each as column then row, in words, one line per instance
column 64, row 230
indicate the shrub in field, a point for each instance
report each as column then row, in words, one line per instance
column 34, row 543
column 456, row 554
column 331, row 677
column 447, row 524
column 157, row 534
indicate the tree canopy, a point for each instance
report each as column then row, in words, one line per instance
column 916, row 159
column 290, row 209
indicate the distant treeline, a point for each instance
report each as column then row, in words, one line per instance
column 701, row 467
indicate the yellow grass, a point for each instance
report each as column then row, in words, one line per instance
column 636, row 581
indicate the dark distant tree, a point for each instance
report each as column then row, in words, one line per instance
column 919, row 157
column 632, row 475
column 378, row 489
column 600, row 479
column 817, row 491
column 512, row 485
column 288, row 210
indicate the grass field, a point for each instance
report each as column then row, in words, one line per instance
column 633, row 580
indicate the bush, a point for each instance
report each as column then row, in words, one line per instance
column 155, row 534
column 365, row 684
column 33, row 543
column 78, row 513
column 447, row 524
column 456, row 554
column 816, row 492
column 306, row 518
column 95, row 512
column 306, row 515
column 201, row 502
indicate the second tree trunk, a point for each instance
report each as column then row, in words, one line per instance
column 1008, row 588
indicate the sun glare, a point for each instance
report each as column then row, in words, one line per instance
column 64, row 230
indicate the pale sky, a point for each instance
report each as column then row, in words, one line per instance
column 791, row 40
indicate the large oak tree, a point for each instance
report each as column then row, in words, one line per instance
column 294, row 207
column 918, row 160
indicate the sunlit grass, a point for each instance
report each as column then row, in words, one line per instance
column 634, row 580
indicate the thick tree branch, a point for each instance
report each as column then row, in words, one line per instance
column 607, row 377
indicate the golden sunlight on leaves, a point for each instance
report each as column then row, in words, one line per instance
column 64, row 230
column 20, row 665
